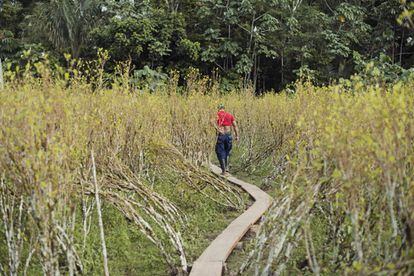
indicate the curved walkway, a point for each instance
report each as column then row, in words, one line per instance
column 212, row 260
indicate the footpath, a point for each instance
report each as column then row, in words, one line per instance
column 212, row 260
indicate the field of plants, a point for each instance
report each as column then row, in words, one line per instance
column 89, row 171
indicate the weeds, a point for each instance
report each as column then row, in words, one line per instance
column 48, row 131
column 338, row 160
column 347, row 159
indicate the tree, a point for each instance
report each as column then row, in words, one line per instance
column 268, row 43
column 63, row 23
column 148, row 35
column 10, row 14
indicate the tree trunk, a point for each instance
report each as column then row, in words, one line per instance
column 282, row 73
column 401, row 46
column 1, row 76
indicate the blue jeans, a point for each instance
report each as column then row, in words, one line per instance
column 223, row 148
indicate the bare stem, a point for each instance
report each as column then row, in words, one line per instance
column 98, row 207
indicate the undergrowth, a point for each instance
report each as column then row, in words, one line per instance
column 338, row 161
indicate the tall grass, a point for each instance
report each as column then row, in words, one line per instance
column 51, row 132
column 343, row 183
column 338, row 160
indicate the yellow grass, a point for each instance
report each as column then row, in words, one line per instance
column 337, row 153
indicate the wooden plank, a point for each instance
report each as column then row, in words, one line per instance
column 219, row 250
column 208, row 268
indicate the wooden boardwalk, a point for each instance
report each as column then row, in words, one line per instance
column 212, row 260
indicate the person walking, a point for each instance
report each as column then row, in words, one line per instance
column 223, row 125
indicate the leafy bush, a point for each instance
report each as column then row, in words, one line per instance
column 340, row 168
column 337, row 159
column 147, row 151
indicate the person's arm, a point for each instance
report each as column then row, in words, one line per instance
column 236, row 130
column 213, row 123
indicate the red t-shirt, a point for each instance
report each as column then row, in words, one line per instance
column 224, row 119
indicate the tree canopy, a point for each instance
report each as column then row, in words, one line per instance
column 266, row 43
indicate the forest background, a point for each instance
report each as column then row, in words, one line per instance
column 106, row 93
column 268, row 43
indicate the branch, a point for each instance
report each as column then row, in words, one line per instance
column 98, row 207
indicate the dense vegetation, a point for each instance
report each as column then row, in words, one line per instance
column 337, row 159
column 267, row 43
column 61, row 146
column 105, row 134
